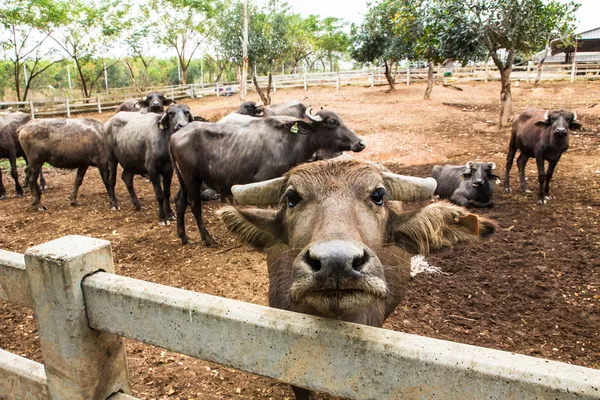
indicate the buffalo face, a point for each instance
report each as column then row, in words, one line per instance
column 559, row 122
column 176, row 117
column 480, row 175
column 155, row 102
column 332, row 133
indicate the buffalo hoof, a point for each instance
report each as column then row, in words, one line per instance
column 43, row 187
column 115, row 208
column 526, row 191
column 40, row 207
column 164, row 223
column 185, row 239
column 171, row 217
column 2, row 196
column 137, row 205
column 507, row 190
column 547, row 198
column 542, row 201
column 74, row 204
column 209, row 242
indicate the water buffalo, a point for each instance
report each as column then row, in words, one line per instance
column 292, row 108
column 470, row 185
column 336, row 246
column 140, row 144
column 11, row 148
column 543, row 135
column 155, row 102
column 248, row 150
column 65, row 143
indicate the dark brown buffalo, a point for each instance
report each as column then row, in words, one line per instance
column 241, row 149
column 11, row 148
column 155, row 102
column 543, row 135
column 65, row 143
column 338, row 246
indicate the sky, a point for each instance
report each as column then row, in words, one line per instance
column 353, row 10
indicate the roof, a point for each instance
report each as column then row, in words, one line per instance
column 591, row 34
column 587, row 41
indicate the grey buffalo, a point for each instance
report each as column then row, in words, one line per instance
column 11, row 149
column 336, row 246
column 543, row 135
column 248, row 150
column 140, row 144
column 64, row 143
column 470, row 185
column 292, row 108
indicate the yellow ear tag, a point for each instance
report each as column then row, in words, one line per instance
column 161, row 126
column 294, row 128
column 498, row 181
column 471, row 222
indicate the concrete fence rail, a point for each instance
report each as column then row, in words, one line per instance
column 83, row 311
column 373, row 77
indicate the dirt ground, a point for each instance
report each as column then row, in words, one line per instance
column 534, row 288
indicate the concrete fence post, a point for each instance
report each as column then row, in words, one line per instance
column 337, row 81
column 31, row 109
column 407, row 73
column 99, row 105
column 217, row 88
column 372, row 78
column 68, row 108
column 305, row 82
column 274, row 85
column 487, row 74
column 172, row 93
column 80, row 363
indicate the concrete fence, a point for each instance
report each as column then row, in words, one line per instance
column 83, row 311
column 373, row 77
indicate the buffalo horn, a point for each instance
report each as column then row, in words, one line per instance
column 469, row 164
column 574, row 115
column 315, row 118
column 259, row 104
column 408, row 188
column 546, row 115
column 493, row 165
column 260, row 193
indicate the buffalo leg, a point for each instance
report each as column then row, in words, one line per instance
column 160, row 198
column 303, row 394
column 551, row 167
column 15, row 175
column 196, row 200
column 539, row 160
column 110, row 190
column 167, row 178
column 2, row 189
column 459, row 199
column 181, row 203
column 33, row 172
column 43, row 184
column 78, row 180
column 128, row 179
column 509, row 163
column 521, row 162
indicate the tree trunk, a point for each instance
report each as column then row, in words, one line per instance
column 429, row 82
column 244, row 78
column 505, row 96
column 388, row 75
column 266, row 99
column 540, row 66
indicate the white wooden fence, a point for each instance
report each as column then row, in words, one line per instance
column 83, row 310
column 373, row 77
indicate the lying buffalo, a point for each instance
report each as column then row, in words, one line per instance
column 337, row 247
column 65, row 143
column 543, row 135
column 248, row 150
column 140, row 144
column 470, row 185
column 155, row 102
column 292, row 108
column 11, row 148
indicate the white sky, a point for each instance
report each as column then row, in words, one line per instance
column 354, row 10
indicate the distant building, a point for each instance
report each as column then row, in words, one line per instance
column 585, row 49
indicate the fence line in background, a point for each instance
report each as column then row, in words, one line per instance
column 372, row 77
column 83, row 310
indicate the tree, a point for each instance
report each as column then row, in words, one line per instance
column 140, row 41
column 506, row 27
column 91, row 29
column 183, row 26
column 331, row 40
column 23, row 40
column 376, row 41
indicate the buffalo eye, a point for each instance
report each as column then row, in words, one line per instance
column 332, row 123
column 377, row 196
column 293, row 198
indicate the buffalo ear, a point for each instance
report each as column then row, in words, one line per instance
column 575, row 125
column 191, row 118
column 161, row 121
column 297, row 126
column 257, row 227
column 435, row 227
column 544, row 123
column 168, row 102
column 142, row 103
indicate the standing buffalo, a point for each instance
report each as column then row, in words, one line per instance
column 248, row 150
column 65, row 143
column 543, row 135
column 154, row 102
column 140, row 144
column 11, row 148
column 336, row 247
column 470, row 185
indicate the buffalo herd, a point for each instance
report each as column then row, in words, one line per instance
column 337, row 239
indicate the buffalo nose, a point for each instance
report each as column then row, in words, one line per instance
column 478, row 182
column 337, row 259
column 561, row 131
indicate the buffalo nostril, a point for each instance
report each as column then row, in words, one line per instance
column 314, row 263
column 362, row 144
column 359, row 263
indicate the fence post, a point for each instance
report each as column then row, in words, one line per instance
column 172, row 94
column 31, row 108
column 274, row 85
column 407, row 73
column 487, row 76
column 217, row 88
column 337, row 81
column 68, row 108
column 372, row 78
column 305, row 83
column 80, row 363
column 528, row 70
column 99, row 105
column 192, row 91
